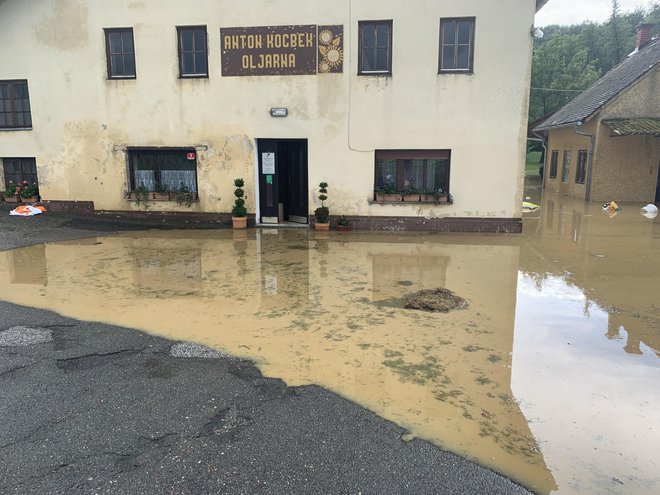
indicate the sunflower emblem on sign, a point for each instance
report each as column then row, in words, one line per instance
column 331, row 50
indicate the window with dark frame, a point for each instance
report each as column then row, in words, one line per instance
column 416, row 171
column 375, row 47
column 193, row 53
column 581, row 168
column 19, row 170
column 166, row 169
column 553, row 164
column 15, row 105
column 566, row 166
column 457, row 45
column 120, row 53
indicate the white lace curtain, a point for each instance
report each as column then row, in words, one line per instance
column 171, row 179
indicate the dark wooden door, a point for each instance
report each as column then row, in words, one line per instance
column 297, row 197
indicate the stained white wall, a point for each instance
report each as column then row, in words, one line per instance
column 82, row 121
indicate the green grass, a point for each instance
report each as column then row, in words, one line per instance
column 532, row 163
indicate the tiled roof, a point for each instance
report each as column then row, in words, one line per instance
column 634, row 127
column 540, row 3
column 607, row 87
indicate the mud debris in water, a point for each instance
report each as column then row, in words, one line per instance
column 434, row 300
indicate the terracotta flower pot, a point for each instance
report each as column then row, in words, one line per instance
column 388, row 198
column 322, row 226
column 239, row 222
column 31, row 199
column 411, row 198
column 430, row 198
column 12, row 199
column 343, row 228
column 161, row 196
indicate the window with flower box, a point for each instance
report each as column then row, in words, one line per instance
column 22, row 172
column 167, row 170
column 417, row 172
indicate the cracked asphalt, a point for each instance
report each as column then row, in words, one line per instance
column 93, row 408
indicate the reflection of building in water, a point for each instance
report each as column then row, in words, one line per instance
column 28, row 265
column 637, row 330
column 166, row 268
column 395, row 273
column 445, row 377
column 283, row 262
column 615, row 261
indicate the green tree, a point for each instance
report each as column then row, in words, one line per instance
column 561, row 69
column 568, row 59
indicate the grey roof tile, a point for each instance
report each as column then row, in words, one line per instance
column 607, row 87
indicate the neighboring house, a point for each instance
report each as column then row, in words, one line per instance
column 100, row 98
column 604, row 145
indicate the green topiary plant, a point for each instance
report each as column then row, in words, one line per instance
column 239, row 209
column 322, row 212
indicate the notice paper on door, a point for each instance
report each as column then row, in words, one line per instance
column 268, row 163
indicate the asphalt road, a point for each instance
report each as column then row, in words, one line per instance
column 94, row 408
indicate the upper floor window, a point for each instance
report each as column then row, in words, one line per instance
column 457, row 45
column 15, row 105
column 193, row 53
column 120, row 53
column 375, row 47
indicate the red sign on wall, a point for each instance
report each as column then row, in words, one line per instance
column 190, row 156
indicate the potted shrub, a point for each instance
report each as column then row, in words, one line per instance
column 184, row 196
column 29, row 192
column 160, row 192
column 411, row 194
column 343, row 225
column 387, row 193
column 435, row 196
column 142, row 196
column 322, row 213
column 12, row 192
column 239, row 211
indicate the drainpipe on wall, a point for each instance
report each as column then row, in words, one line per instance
column 545, row 156
column 590, row 158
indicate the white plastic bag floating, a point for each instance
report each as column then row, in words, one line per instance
column 650, row 211
column 27, row 210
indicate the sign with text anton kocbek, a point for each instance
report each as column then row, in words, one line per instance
column 268, row 50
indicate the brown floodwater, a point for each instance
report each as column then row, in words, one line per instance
column 549, row 375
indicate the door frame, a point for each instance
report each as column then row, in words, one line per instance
column 257, row 191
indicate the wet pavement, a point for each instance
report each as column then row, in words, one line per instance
column 547, row 375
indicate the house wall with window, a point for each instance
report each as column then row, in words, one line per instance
column 625, row 168
column 567, row 143
column 107, row 79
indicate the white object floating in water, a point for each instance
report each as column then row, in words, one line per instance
column 530, row 206
column 650, row 208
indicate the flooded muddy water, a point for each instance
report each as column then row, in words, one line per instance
column 548, row 375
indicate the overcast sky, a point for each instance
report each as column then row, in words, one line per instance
column 577, row 11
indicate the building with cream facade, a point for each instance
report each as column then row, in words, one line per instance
column 100, row 99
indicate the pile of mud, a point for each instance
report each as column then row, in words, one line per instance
column 436, row 300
